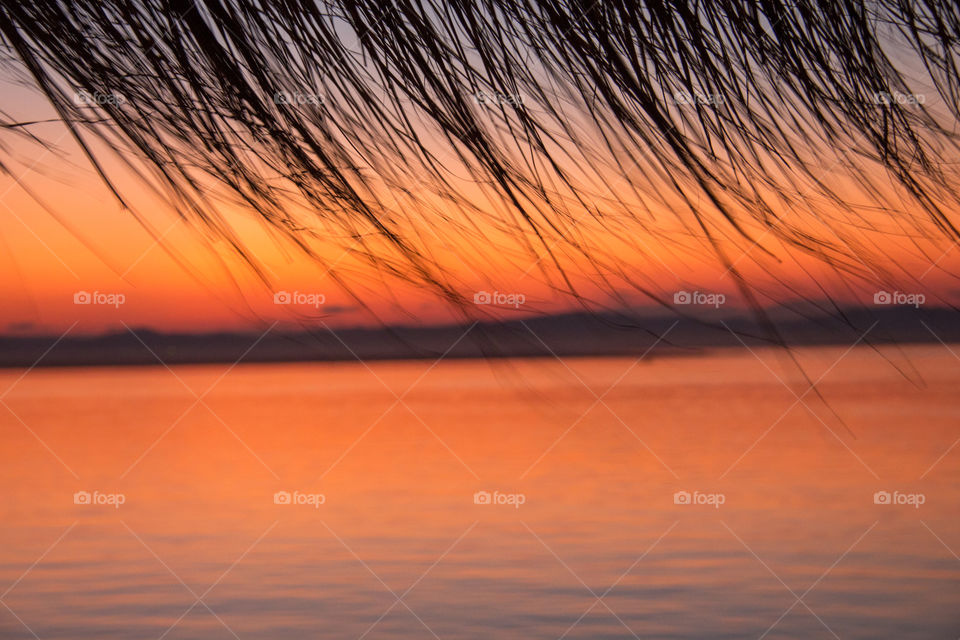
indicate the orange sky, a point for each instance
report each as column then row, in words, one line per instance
column 108, row 251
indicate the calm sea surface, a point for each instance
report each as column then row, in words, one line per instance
column 709, row 496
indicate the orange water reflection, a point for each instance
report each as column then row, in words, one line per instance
column 399, row 549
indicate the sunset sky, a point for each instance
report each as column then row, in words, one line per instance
column 493, row 318
column 192, row 281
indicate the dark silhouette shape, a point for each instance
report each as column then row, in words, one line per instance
column 564, row 114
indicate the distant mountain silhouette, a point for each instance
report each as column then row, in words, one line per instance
column 566, row 335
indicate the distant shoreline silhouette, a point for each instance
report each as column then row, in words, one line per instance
column 657, row 334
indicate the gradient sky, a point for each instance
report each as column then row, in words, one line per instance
column 190, row 282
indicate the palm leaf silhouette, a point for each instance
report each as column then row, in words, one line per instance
column 567, row 119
